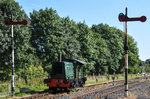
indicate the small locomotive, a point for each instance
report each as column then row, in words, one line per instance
column 66, row 75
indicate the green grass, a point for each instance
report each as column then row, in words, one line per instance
column 37, row 84
column 92, row 80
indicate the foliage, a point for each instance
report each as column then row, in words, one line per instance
column 147, row 61
column 133, row 56
column 22, row 36
column 104, row 78
column 101, row 54
column 87, row 50
column 48, row 35
column 147, row 65
column 32, row 72
column 38, row 85
column 71, row 44
column 148, row 69
column 114, row 42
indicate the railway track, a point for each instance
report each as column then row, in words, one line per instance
column 47, row 95
column 108, row 94
column 102, row 92
column 97, row 91
column 91, row 93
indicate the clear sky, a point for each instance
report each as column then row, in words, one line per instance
column 102, row 11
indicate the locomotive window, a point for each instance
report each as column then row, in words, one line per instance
column 68, row 68
column 57, row 68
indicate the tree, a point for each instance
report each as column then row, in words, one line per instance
column 147, row 61
column 71, row 44
column 87, row 51
column 93, row 49
column 101, row 54
column 114, row 42
column 21, row 38
column 133, row 56
column 47, row 35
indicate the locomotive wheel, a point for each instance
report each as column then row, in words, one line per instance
column 74, row 85
column 52, row 89
column 65, row 81
column 46, row 81
column 66, row 89
column 81, row 84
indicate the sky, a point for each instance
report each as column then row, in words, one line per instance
column 102, row 11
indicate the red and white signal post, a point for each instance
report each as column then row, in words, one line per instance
column 124, row 18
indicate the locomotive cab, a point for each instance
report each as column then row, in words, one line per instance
column 66, row 74
column 57, row 71
column 61, row 74
column 62, row 70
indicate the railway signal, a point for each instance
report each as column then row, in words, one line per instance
column 125, row 18
column 9, row 21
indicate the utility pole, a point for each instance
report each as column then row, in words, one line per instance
column 126, row 56
column 124, row 18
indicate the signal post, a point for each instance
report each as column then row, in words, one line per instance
column 9, row 21
column 124, row 18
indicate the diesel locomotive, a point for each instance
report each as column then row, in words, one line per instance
column 66, row 75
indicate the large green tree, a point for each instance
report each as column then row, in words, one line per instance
column 47, row 35
column 22, row 36
column 87, row 51
column 93, row 49
column 101, row 55
column 147, row 61
column 114, row 42
column 133, row 56
column 71, row 44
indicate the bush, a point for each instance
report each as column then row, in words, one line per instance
column 32, row 72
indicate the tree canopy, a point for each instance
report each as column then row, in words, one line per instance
column 48, row 35
column 22, row 34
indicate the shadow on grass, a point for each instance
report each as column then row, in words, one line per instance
column 27, row 91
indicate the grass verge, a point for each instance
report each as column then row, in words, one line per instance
column 37, row 84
